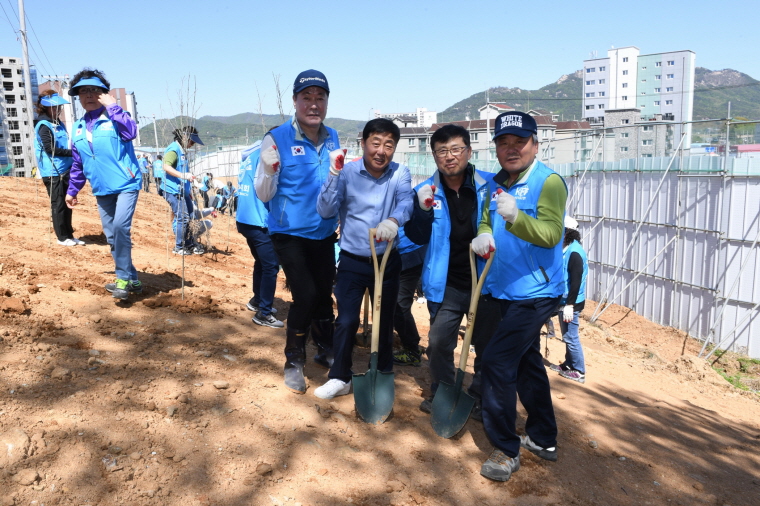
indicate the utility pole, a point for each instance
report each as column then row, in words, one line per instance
column 28, row 126
column 155, row 134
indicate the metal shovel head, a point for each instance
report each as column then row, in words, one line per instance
column 451, row 409
column 374, row 393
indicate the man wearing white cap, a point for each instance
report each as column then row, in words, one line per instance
column 523, row 223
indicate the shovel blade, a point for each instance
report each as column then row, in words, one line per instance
column 451, row 409
column 374, row 394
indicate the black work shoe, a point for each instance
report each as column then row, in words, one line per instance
column 324, row 359
column 477, row 411
column 499, row 467
column 426, row 406
column 294, row 379
column 545, row 453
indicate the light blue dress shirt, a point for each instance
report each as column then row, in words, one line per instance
column 361, row 202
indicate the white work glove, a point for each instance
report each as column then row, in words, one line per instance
column 337, row 160
column 567, row 313
column 271, row 160
column 187, row 176
column 506, row 206
column 386, row 230
column 425, row 197
column 483, row 245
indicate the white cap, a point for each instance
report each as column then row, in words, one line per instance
column 571, row 223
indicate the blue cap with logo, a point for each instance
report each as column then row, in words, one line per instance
column 53, row 100
column 515, row 123
column 89, row 81
column 308, row 78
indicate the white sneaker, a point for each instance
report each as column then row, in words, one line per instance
column 78, row 241
column 333, row 388
column 67, row 242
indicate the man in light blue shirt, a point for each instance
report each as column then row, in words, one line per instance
column 372, row 192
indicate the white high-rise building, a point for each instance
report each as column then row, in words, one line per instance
column 655, row 84
column 16, row 130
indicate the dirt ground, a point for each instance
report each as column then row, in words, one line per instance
column 165, row 401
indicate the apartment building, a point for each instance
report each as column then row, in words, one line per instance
column 16, row 129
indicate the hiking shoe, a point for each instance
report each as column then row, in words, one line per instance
column 182, row 251
column 333, row 388
column 67, row 242
column 559, row 368
column 198, row 250
column 134, row 287
column 78, row 241
column 574, row 375
column 252, row 307
column 407, row 357
column 426, row 406
column 121, row 289
column 267, row 321
column 499, row 467
column 477, row 411
column 545, row 453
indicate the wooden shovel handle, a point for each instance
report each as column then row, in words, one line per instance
column 474, row 298
column 376, row 299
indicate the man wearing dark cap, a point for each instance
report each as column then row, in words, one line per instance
column 295, row 160
column 523, row 222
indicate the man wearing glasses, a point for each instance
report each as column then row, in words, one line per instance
column 446, row 216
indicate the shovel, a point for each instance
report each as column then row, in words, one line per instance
column 452, row 405
column 374, row 391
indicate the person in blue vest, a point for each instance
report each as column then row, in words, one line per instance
column 158, row 173
column 522, row 224
column 450, row 204
column 572, row 303
column 178, row 190
column 51, row 147
column 230, row 193
column 207, row 183
column 294, row 162
column 372, row 192
column 251, row 222
column 145, row 169
column 102, row 154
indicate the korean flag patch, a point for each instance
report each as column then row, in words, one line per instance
column 297, row 150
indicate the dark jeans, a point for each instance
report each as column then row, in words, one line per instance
column 403, row 321
column 445, row 320
column 354, row 277
column 181, row 204
column 56, row 187
column 146, row 182
column 158, row 187
column 512, row 366
column 309, row 266
column 265, row 267
column 204, row 194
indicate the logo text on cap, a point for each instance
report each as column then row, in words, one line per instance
column 511, row 120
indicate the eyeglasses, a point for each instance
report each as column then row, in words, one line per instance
column 90, row 90
column 441, row 153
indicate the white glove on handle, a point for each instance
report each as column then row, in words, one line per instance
column 271, row 160
column 567, row 313
column 386, row 230
column 337, row 160
column 188, row 177
column 425, row 197
column 506, row 206
column 483, row 245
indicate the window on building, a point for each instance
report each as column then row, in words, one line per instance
column 670, row 76
column 624, row 135
column 657, row 90
column 643, row 80
column 668, row 102
column 19, row 163
column 602, row 81
column 590, row 70
column 624, row 149
column 20, row 84
column 601, row 106
column 647, row 128
column 13, row 125
column 602, row 93
column 590, row 95
column 625, row 72
column 412, row 143
column 643, row 92
column 669, row 88
column 642, row 106
column 18, row 150
column 643, row 68
column 625, row 97
column 473, row 136
column 647, row 155
column 12, row 113
column 589, row 107
column 657, row 77
column 15, row 137
column 625, row 59
column 11, row 60
column 671, row 63
column 590, row 83
column 658, row 64
column 647, row 142
column 7, row 73
column 7, row 86
column 602, row 69
column 656, row 102
column 10, row 99
column 625, row 121
column 625, row 85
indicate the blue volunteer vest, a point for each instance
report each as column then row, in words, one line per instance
column 144, row 165
column 403, row 244
column 110, row 164
column 158, row 168
column 522, row 270
column 293, row 209
column 436, row 265
column 171, row 184
column 250, row 210
column 575, row 247
column 56, row 165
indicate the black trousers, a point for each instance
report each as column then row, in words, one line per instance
column 309, row 266
column 403, row 321
column 56, row 187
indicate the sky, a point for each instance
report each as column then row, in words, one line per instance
column 391, row 56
